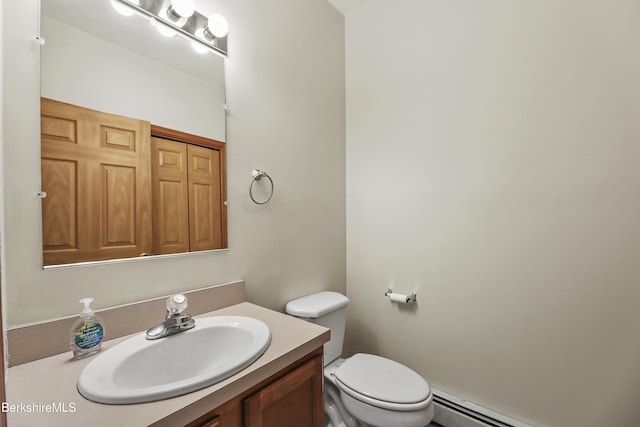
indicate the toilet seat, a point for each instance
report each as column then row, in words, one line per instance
column 383, row 383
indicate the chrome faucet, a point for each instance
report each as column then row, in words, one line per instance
column 174, row 322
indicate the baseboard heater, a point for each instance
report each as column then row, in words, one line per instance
column 451, row 411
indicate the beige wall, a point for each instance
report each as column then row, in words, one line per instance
column 492, row 166
column 285, row 85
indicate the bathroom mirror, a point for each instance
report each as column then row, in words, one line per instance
column 96, row 58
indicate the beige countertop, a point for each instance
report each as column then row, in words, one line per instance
column 43, row 392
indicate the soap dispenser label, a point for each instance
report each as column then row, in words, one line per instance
column 89, row 335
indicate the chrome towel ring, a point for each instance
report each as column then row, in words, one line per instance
column 257, row 176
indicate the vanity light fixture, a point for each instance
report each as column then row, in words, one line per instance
column 173, row 17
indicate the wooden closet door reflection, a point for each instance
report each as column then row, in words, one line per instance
column 170, row 196
column 205, row 199
column 97, row 176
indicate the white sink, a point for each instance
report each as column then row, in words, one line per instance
column 140, row 370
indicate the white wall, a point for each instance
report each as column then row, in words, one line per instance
column 285, row 85
column 492, row 166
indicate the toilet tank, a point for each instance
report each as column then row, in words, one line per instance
column 328, row 309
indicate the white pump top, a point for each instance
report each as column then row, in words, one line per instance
column 87, row 311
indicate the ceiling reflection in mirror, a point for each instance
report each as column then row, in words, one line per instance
column 95, row 58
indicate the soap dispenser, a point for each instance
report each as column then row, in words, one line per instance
column 87, row 332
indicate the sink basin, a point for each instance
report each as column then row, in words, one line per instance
column 139, row 370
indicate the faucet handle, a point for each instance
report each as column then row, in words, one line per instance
column 176, row 304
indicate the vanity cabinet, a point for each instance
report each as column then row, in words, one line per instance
column 291, row 398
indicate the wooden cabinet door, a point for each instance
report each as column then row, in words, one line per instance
column 170, row 196
column 205, row 199
column 294, row 400
column 97, row 176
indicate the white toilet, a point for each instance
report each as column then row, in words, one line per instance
column 363, row 390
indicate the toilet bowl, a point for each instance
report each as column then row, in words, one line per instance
column 364, row 389
column 380, row 392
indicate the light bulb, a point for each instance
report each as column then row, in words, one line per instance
column 217, row 25
column 184, row 8
column 178, row 12
column 122, row 8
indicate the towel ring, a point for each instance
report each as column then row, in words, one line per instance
column 257, row 176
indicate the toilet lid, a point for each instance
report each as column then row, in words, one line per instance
column 382, row 382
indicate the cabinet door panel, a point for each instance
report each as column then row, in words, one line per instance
column 294, row 400
column 118, row 206
column 59, row 208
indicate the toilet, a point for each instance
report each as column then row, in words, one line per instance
column 363, row 390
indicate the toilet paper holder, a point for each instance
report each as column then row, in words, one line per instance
column 402, row 298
